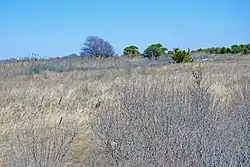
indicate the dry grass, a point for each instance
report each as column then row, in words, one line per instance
column 180, row 115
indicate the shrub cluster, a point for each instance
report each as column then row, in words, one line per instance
column 234, row 49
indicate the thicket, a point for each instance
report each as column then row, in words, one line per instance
column 234, row 49
column 152, row 125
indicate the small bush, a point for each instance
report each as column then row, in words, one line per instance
column 181, row 56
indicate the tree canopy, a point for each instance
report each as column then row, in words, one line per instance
column 131, row 50
column 95, row 46
column 155, row 50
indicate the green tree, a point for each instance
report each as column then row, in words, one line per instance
column 180, row 56
column 217, row 50
column 246, row 51
column 229, row 50
column 199, row 50
column 212, row 50
column 130, row 50
column 235, row 48
column 223, row 50
column 155, row 50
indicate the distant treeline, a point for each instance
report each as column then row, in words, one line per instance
column 234, row 49
column 95, row 46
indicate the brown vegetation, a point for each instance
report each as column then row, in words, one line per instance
column 182, row 115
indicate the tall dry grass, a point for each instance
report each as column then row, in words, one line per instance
column 181, row 115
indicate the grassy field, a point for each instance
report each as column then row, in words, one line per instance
column 112, row 113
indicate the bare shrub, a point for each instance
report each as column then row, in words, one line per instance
column 40, row 145
column 173, row 116
column 155, row 124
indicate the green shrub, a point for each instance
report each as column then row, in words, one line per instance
column 180, row 56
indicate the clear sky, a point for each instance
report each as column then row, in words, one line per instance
column 58, row 27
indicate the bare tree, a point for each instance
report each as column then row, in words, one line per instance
column 95, row 46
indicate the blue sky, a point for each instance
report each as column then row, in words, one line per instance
column 58, row 27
